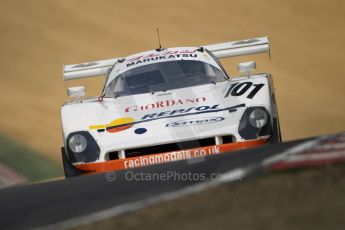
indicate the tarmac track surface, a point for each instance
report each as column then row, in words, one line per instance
column 68, row 203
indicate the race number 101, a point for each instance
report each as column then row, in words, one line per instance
column 238, row 89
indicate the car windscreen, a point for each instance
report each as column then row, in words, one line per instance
column 164, row 76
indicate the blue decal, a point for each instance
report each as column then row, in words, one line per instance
column 140, row 130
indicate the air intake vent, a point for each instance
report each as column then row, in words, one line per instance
column 170, row 147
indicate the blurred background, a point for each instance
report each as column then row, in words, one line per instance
column 38, row 37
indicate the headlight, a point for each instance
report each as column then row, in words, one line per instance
column 255, row 122
column 77, row 143
column 82, row 147
column 258, row 118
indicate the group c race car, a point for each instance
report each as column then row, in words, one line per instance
column 166, row 105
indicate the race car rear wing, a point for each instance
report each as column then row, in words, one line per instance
column 220, row 50
column 239, row 48
column 88, row 69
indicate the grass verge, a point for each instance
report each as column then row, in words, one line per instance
column 27, row 162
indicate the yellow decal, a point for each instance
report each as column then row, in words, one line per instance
column 111, row 127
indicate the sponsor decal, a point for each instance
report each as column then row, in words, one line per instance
column 163, row 104
column 162, row 56
column 166, row 53
column 172, row 113
column 195, row 121
column 121, row 124
column 171, row 156
column 158, row 158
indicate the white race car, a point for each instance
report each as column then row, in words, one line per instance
column 166, row 105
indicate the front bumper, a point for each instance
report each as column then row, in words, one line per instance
column 159, row 158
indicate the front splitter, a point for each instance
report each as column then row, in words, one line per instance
column 160, row 158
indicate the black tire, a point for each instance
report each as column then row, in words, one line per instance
column 69, row 169
column 276, row 135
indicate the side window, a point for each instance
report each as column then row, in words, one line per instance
column 109, row 91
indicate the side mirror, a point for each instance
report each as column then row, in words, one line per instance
column 247, row 67
column 76, row 92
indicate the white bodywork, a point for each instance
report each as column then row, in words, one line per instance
column 209, row 110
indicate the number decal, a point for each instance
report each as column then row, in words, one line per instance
column 230, row 89
column 256, row 89
column 238, row 89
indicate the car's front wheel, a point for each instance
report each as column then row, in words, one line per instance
column 69, row 169
column 276, row 135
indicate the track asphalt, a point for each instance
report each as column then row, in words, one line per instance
column 44, row 204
